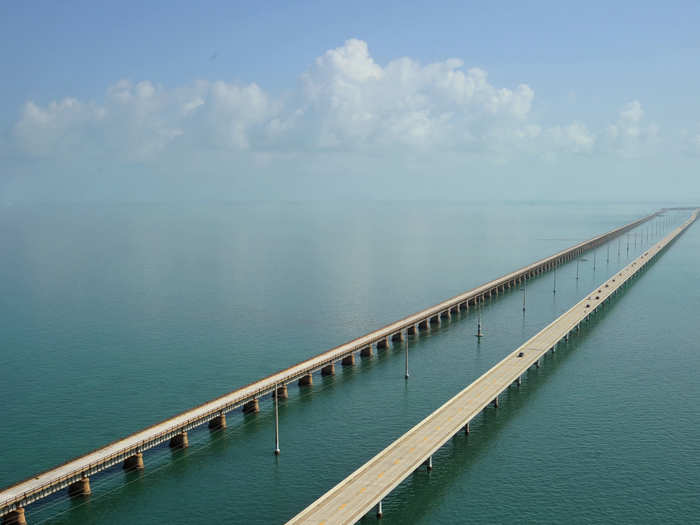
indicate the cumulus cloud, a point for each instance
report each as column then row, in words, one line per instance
column 574, row 137
column 345, row 101
column 630, row 136
column 350, row 101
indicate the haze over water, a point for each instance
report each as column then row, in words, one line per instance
column 118, row 316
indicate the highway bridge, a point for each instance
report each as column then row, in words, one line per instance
column 365, row 488
column 74, row 475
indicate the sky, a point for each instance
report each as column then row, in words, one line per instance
column 161, row 101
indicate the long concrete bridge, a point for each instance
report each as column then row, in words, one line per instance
column 74, row 475
column 365, row 488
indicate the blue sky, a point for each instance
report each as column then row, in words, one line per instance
column 176, row 100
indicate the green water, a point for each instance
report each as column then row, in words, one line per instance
column 117, row 316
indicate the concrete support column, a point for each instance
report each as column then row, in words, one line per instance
column 398, row 336
column 466, row 429
column 445, row 315
column 435, row 319
column 349, row 360
column 537, row 363
column 281, row 392
column 328, row 370
column 179, row 441
column 519, row 381
column 16, row 517
column 379, row 510
column 251, row 407
column 430, row 463
column 306, row 380
column 495, row 402
column 383, row 343
column 79, row 488
column 412, row 330
column 134, row 462
column 218, row 422
column 424, row 325
column 365, row 352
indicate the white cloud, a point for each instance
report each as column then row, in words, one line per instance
column 574, row 137
column 629, row 136
column 345, row 102
column 350, row 101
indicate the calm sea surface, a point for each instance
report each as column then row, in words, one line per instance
column 117, row 316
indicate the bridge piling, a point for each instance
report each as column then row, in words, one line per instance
column 80, row 488
column 281, row 392
column 179, row 441
column 218, row 423
column 251, row 407
column 328, row 370
column 307, row 380
column 383, row 343
column 134, row 462
column 16, row 517
column 349, row 360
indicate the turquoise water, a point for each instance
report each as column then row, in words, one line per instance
column 117, row 316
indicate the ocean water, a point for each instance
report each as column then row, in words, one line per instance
column 116, row 316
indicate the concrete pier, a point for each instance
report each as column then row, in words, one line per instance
column 179, row 441
column 424, row 325
column 398, row 336
column 435, row 319
column 383, row 343
column 218, row 423
column 366, row 352
column 306, row 380
column 349, row 360
column 281, row 392
column 328, row 370
column 412, row 330
column 134, row 462
column 80, row 488
column 15, row 517
column 251, row 407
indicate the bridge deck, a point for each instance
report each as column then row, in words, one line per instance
column 353, row 497
column 41, row 485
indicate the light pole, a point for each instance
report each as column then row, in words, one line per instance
column 479, row 334
column 277, row 423
column 406, row 345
